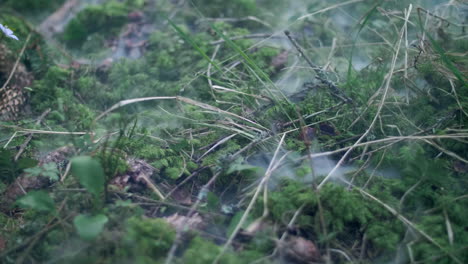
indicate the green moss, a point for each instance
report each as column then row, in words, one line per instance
column 33, row 6
column 106, row 19
column 115, row 162
column 54, row 92
column 346, row 213
column 201, row 251
column 172, row 57
column 149, row 238
column 220, row 8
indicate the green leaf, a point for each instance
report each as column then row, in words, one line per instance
column 38, row 200
column 90, row 173
column 48, row 170
column 89, row 227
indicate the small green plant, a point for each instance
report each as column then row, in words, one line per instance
column 11, row 169
column 37, row 200
column 48, row 170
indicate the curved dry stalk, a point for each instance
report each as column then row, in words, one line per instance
column 448, row 152
column 132, row 101
column 232, row 129
column 208, row 71
column 388, row 139
column 222, row 141
column 342, row 254
column 9, row 140
column 379, row 109
column 177, row 98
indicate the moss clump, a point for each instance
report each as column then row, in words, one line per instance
column 105, row 19
column 201, row 251
column 220, row 8
column 149, row 239
column 33, row 6
column 54, row 92
column 344, row 212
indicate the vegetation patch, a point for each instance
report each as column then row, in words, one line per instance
column 233, row 132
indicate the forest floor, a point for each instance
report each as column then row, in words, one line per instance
column 243, row 131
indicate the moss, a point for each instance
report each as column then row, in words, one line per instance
column 115, row 162
column 54, row 92
column 201, row 251
column 220, row 8
column 172, row 56
column 346, row 213
column 149, row 238
column 427, row 190
column 33, row 6
column 106, row 19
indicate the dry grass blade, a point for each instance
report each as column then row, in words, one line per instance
column 222, row 141
column 178, row 98
column 408, row 223
column 382, row 101
column 132, row 101
column 389, row 139
column 153, row 188
column 216, row 109
column 329, row 8
column 220, row 88
column 448, row 152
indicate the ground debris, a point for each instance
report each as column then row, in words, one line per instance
column 21, row 186
column 136, row 177
column 59, row 156
column 279, row 62
column 181, row 222
column 25, row 183
column 300, row 250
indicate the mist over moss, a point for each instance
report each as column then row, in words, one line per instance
column 206, row 119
